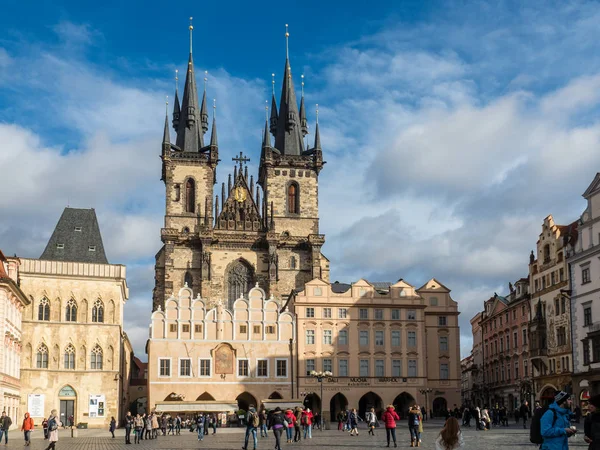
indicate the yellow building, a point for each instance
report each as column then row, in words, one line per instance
column 384, row 344
column 220, row 360
column 74, row 347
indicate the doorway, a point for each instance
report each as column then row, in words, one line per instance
column 67, row 412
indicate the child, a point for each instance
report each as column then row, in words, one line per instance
column 450, row 437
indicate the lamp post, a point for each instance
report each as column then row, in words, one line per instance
column 319, row 376
column 426, row 391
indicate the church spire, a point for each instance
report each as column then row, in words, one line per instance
column 288, row 137
column 303, row 122
column 317, row 134
column 176, row 105
column 189, row 137
column 166, row 134
column 203, row 111
column 213, row 134
column 273, row 128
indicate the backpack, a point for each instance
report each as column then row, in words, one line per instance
column 254, row 419
column 535, row 432
column 304, row 419
column 52, row 425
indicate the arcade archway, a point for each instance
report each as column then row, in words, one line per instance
column 402, row 403
column 338, row 403
column 547, row 395
column 275, row 396
column 368, row 401
column 246, row 399
column 440, row 407
column 312, row 401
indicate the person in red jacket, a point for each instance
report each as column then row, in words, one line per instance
column 26, row 428
column 290, row 418
column 389, row 418
column 307, row 421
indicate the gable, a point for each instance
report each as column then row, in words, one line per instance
column 434, row 285
column 593, row 188
column 240, row 207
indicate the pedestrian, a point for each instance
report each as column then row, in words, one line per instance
column 591, row 424
column 178, row 425
column 317, row 421
column 556, row 425
column 128, row 427
column 154, row 426
column 450, row 438
column 27, row 428
column 277, row 423
column 290, row 418
column 53, row 424
column 5, row 423
column 340, row 419
column 389, row 418
column 297, row 424
column 418, row 410
column 424, row 412
column 45, row 428
column 371, row 419
column 138, row 424
column 307, row 422
column 353, row 422
column 413, row 426
column 171, row 424
column 163, row 424
column 477, row 417
column 485, row 418
column 200, row 427
column 524, row 413
column 252, row 422
column 148, row 424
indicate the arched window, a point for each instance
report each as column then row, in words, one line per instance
column 70, row 357
column 71, row 312
column 292, row 199
column 189, row 280
column 98, row 311
column 96, row 358
column 190, row 196
column 239, row 281
column 546, row 253
column 42, row 357
column 293, row 262
column 44, row 309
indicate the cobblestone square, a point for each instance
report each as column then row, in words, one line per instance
column 498, row 438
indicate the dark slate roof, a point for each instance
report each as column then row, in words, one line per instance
column 340, row 288
column 67, row 244
column 381, row 284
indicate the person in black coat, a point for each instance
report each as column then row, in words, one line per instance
column 591, row 424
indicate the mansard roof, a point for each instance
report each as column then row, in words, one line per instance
column 76, row 238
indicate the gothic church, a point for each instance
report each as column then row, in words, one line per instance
column 221, row 244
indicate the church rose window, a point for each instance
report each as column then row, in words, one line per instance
column 239, row 282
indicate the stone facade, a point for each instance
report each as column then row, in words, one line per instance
column 506, row 372
column 550, row 348
column 584, row 262
column 73, row 341
column 473, row 394
column 383, row 343
column 213, row 359
column 12, row 303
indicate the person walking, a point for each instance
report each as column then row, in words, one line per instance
column 5, row 423
column 290, row 418
column 307, row 422
column 262, row 425
column 524, row 413
column 450, row 438
column 252, row 422
column 200, row 426
column 154, row 426
column 556, row 424
column 112, row 426
column 178, row 425
column 353, row 422
column 591, row 424
column 297, row 424
column 128, row 427
column 53, row 424
column 413, row 426
column 340, row 419
column 45, row 428
column 277, row 423
column 27, row 428
column 138, row 424
column 389, row 419
column 420, row 430
column 148, row 424
column 371, row 419
column 477, row 417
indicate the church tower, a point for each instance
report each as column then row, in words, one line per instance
column 223, row 244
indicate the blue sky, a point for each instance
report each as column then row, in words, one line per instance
column 451, row 129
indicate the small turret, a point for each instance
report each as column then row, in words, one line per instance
column 176, row 105
column 203, row 110
column 274, row 117
column 303, row 122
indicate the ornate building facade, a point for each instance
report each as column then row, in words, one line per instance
column 222, row 243
column 12, row 303
column 506, row 371
column 74, row 347
column 383, row 342
column 216, row 359
column 550, row 349
column 584, row 262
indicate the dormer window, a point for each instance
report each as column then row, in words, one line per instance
column 92, row 248
column 78, row 229
column 60, row 246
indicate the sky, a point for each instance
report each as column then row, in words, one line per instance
column 451, row 129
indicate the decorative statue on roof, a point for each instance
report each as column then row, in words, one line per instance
column 511, row 289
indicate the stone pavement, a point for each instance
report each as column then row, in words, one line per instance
column 232, row 438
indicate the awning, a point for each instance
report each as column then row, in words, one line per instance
column 206, row 406
column 282, row 403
